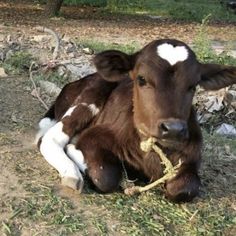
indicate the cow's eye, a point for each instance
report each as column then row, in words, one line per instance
column 192, row 88
column 141, row 80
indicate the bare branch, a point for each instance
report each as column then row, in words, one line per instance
column 56, row 37
column 35, row 87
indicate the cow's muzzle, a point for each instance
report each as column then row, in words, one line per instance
column 173, row 130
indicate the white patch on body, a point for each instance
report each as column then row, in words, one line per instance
column 44, row 125
column 77, row 156
column 69, row 111
column 52, row 148
column 172, row 54
column 92, row 107
column 84, row 104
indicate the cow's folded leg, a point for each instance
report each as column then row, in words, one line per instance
column 57, row 137
column 103, row 168
column 52, row 148
column 185, row 186
column 76, row 156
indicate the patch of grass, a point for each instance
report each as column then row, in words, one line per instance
column 172, row 9
column 181, row 9
column 203, row 47
column 216, row 142
column 211, row 214
column 94, row 3
column 101, row 46
column 54, row 77
column 44, row 211
column 151, row 214
column 18, row 63
column 202, row 44
column 100, row 225
column 195, row 10
column 44, row 206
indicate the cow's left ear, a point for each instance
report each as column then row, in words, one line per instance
column 214, row 77
column 112, row 65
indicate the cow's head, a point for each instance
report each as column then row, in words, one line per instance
column 165, row 74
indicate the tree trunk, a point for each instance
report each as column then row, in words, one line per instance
column 52, row 7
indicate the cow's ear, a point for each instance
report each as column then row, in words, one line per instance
column 214, row 77
column 112, row 65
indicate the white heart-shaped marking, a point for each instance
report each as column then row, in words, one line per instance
column 172, row 54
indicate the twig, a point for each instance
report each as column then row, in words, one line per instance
column 193, row 215
column 204, row 112
column 35, row 87
column 56, row 37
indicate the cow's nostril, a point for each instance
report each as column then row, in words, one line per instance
column 173, row 129
column 164, row 127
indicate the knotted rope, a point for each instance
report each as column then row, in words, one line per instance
column 170, row 171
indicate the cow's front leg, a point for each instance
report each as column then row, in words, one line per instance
column 52, row 148
column 185, row 186
column 94, row 155
column 57, row 137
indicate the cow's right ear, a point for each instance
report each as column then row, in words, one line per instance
column 214, row 77
column 112, row 65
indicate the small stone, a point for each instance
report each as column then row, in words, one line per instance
column 14, row 119
column 49, row 87
column 88, row 51
column 227, row 149
column 226, row 129
column 2, row 73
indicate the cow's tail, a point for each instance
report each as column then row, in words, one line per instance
column 45, row 124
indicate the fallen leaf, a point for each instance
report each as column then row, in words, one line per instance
column 214, row 103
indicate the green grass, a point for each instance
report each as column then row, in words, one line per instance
column 204, row 50
column 202, row 47
column 95, row 3
column 54, row 77
column 19, row 62
column 97, row 46
column 44, row 206
column 172, row 9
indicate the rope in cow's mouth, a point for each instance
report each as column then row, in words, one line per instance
column 170, row 171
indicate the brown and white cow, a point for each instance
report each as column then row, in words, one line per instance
column 129, row 99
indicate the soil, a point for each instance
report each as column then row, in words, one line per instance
column 92, row 23
column 20, row 162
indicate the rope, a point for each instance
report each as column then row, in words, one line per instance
column 126, row 182
column 170, row 171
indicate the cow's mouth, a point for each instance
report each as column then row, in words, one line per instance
column 168, row 133
column 169, row 143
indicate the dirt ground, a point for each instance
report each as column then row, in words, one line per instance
column 32, row 200
column 90, row 23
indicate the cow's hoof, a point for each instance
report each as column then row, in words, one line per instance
column 76, row 184
column 184, row 188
